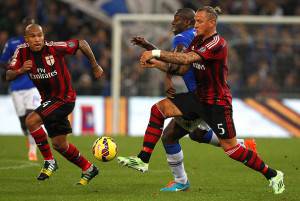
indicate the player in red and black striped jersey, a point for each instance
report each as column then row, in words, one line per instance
column 207, row 56
column 45, row 64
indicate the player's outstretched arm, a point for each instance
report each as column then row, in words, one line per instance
column 143, row 43
column 87, row 51
column 165, row 67
column 13, row 74
column 171, row 57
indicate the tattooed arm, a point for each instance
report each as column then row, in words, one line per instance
column 170, row 57
column 87, row 51
column 165, row 67
column 143, row 43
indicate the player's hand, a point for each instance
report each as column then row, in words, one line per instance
column 170, row 90
column 146, row 56
column 152, row 63
column 97, row 71
column 140, row 41
column 27, row 65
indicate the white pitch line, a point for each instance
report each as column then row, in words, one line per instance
column 18, row 165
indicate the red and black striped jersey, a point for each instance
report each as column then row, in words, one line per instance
column 211, row 72
column 49, row 71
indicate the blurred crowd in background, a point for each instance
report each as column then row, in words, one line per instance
column 264, row 60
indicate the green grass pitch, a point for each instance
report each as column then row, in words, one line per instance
column 213, row 175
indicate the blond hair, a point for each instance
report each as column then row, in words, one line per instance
column 212, row 12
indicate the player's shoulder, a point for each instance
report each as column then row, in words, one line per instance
column 187, row 34
column 70, row 43
column 185, row 38
column 21, row 46
column 216, row 41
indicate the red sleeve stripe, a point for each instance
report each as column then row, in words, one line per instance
column 59, row 44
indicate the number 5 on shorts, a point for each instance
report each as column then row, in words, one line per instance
column 45, row 103
column 220, row 127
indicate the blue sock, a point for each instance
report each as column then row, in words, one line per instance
column 172, row 148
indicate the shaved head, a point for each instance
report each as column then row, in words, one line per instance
column 32, row 28
column 34, row 36
column 186, row 13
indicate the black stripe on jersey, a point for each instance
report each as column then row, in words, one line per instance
column 28, row 57
column 66, row 84
column 44, row 83
column 214, row 78
column 56, row 82
column 21, row 52
column 221, row 79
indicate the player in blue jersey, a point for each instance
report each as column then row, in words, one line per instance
column 24, row 94
column 198, row 130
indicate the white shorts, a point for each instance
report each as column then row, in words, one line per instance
column 28, row 99
column 191, row 125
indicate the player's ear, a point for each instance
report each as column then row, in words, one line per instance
column 26, row 38
column 212, row 22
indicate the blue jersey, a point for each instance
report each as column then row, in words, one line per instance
column 23, row 81
column 185, row 38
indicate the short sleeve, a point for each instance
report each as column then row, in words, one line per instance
column 180, row 40
column 66, row 47
column 15, row 62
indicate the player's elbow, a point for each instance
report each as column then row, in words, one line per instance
column 82, row 43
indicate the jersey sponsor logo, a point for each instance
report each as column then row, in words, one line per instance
column 50, row 60
column 199, row 66
column 42, row 74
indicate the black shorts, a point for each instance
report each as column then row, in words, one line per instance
column 218, row 117
column 54, row 113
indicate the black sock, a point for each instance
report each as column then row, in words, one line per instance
column 270, row 173
column 144, row 156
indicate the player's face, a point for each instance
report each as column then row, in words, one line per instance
column 178, row 24
column 203, row 24
column 35, row 38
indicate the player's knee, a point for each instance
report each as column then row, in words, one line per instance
column 29, row 122
column 56, row 146
column 59, row 146
column 168, row 138
column 193, row 136
column 198, row 135
column 164, row 138
column 60, row 143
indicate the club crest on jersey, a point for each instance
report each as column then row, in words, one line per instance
column 202, row 49
column 50, row 60
column 71, row 44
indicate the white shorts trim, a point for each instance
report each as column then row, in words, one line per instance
column 28, row 99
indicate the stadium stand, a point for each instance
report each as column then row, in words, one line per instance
column 259, row 65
